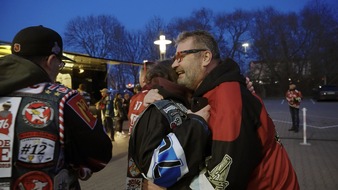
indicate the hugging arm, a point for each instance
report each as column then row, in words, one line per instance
column 166, row 154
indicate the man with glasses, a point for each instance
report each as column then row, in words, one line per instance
column 51, row 141
column 246, row 152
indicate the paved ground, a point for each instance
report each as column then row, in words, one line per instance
column 315, row 163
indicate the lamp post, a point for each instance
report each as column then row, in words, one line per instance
column 162, row 42
column 245, row 45
column 245, row 63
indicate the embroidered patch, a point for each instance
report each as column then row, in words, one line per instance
column 134, row 179
column 9, row 107
column 38, row 114
column 34, row 180
column 132, row 168
column 219, row 174
column 134, row 183
column 62, row 180
column 79, row 105
column 5, row 185
column 6, row 150
column 36, row 147
column 169, row 108
column 58, row 88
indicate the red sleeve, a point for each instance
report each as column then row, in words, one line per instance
column 226, row 111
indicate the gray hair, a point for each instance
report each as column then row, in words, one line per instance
column 201, row 39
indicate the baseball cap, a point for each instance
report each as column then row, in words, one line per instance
column 105, row 90
column 37, row 41
column 8, row 103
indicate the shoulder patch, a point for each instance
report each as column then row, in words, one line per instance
column 79, row 105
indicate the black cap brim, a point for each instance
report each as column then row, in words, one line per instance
column 64, row 58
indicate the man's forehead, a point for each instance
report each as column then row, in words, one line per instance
column 185, row 45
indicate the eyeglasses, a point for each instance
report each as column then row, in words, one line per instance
column 181, row 54
column 61, row 65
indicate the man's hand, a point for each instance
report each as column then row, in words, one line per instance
column 151, row 97
column 148, row 185
column 249, row 85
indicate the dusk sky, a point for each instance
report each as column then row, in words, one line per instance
column 133, row 14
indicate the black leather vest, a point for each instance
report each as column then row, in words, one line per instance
column 35, row 138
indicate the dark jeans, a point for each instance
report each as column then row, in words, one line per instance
column 295, row 117
column 108, row 124
column 118, row 123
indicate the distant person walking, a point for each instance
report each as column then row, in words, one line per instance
column 119, row 114
column 84, row 93
column 294, row 97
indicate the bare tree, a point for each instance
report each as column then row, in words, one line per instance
column 152, row 30
column 319, row 22
column 201, row 19
column 302, row 46
column 139, row 46
column 231, row 31
column 105, row 37
column 279, row 40
column 98, row 36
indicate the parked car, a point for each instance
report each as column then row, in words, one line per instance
column 326, row 92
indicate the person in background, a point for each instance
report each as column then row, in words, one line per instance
column 53, row 138
column 84, row 93
column 246, row 151
column 167, row 132
column 137, row 89
column 119, row 114
column 136, row 102
column 125, row 105
column 294, row 97
column 106, row 107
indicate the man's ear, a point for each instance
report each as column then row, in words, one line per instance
column 49, row 61
column 206, row 58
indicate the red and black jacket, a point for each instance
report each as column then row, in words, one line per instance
column 246, row 152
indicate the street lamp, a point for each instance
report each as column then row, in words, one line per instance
column 162, row 42
column 245, row 45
